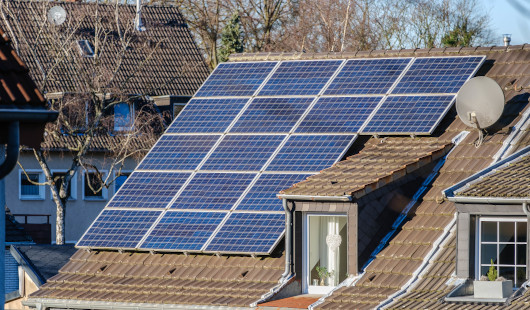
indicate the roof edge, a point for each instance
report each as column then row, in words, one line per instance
column 26, row 264
column 315, row 198
column 43, row 303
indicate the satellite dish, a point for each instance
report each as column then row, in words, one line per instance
column 480, row 102
column 56, row 15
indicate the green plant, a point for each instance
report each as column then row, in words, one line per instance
column 323, row 272
column 492, row 272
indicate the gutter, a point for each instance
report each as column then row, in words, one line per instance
column 315, row 198
column 288, row 240
column 12, row 149
column 31, row 116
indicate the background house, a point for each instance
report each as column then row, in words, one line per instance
column 92, row 53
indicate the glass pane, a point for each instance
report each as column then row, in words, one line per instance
column 521, row 276
column 507, row 254
column 120, row 180
column 122, row 116
column 521, row 254
column 489, row 231
column 506, row 231
column 489, row 252
column 483, row 271
column 507, row 272
column 26, row 187
column 521, row 231
column 96, row 190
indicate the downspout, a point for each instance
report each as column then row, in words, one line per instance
column 13, row 145
column 288, row 240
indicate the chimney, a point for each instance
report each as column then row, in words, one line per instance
column 138, row 19
column 507, row 38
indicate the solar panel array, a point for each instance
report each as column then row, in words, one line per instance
column 255, row 128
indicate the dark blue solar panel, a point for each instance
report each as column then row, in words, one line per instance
column 367, row 76
column 148, row 190
column 409, row 114
column 271, row 115
column 300, row 78
column 119, row 229
column 213, row 191
column 262, row 196
column 241, row 153
column 178, row 152
column 207, row 115
column 184, row 231
column 338, row 114
column 249, row 233
column 235, row 79
column 310, row 153
column 437, row 75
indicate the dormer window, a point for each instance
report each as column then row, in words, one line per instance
column 123, row 116
column 85, row 48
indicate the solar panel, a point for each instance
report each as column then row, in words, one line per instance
column 148, row 190
column 262, row 195
column 185, row 231
column 235, row 79
column 437, row 75
column 119, row 228
column 242, row 153
column 213, row 191
column 293, row 78
column 249, row 232
column 310, row 153
column 178, row 152
column 207, row 115
column 338, row 114
column 271, row 115
column 367, row 76
column 409, row 114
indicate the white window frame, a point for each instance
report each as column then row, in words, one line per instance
column 89, row 53
column 104, row 190
column 306, row 287
column 478, row 248
column 116, row 176
column 132, row 116
column 41, row 195
column 73, row 184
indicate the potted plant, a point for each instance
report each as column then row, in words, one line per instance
column 323, row 274
column 491, row 286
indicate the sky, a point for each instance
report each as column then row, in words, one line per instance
column 509, row 16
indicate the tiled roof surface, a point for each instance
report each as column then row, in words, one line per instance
column 17, row 90
column 101, row 143
column 14, row 232
column 511, row 180
column 47, row 259
column 373, row 167
column 163, row 60
column 164, row 278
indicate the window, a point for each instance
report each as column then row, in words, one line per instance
column 123, row 117
column 85, row 48
column 503, row 241
column 72, row 187
column 92, row 186
column 120, row 179
column 326, row 252
column 27, row 189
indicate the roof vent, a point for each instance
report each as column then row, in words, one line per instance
column 507, row 38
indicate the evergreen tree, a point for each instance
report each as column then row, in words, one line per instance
column 460, row 36
column 231, row 41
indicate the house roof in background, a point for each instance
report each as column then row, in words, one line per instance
column 162, row 60
column 46, row 259
column 99, row 143
column 15, row 233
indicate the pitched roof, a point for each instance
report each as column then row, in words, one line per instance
column 162, row 60
column 45, row 259
column 100, row 143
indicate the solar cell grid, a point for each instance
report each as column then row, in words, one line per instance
column 409, row 114
column 338, row 114
column 262, row 195
column 293, row 78
column 235, row 79
column 310, row 153
column 271, row 115
column 242, row 152
column 437, row 75
column 178, row 152
column 148, row 190
column 367, row 76
column 248, row 232
column 184, row 231
column 207, row 115
column 213, row 191
column 118, row 229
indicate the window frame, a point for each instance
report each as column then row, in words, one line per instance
column 42, row 192
column 73, row 184
column 104, row 190
column 307, row 288
column 478, row 245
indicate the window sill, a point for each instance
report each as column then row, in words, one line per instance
column 32, row 198
column 94, row 199
column 463, row 294
column 320, row 290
